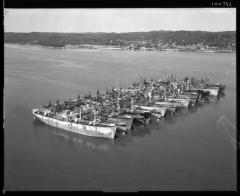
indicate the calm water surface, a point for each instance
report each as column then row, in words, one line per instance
column 191, row 151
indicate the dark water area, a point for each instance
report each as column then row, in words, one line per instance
column 193, row 150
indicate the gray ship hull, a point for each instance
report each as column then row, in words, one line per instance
column 83, row 129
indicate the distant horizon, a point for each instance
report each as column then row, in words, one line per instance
column 123, row 31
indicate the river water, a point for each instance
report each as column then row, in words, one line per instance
column 194, row 150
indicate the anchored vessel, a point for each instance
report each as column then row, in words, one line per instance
column 89, row 128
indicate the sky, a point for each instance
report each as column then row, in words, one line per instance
column 119, row 20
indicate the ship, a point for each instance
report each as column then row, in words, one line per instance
column 83, row 127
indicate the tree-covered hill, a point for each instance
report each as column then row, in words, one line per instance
column 218, row 39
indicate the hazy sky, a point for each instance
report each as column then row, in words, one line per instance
column 119, row 20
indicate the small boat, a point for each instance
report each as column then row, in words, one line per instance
column 202, row 93
column 139, row 116
column 121, row 126
column 218, row 85
column 184, row 101
column 144, row 113
column 169, row 108
column 139, row 119
column 192, row 96
column 168, row 104
column 155, row 109
column 213, row 90
column 122, row 119
column 172, row 109
column 157, row 115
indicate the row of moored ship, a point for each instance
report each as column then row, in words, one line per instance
column 116, row 110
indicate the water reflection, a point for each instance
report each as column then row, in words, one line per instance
column 193, row 109
column 71, row 139
column 220, row 95
column 141, row 131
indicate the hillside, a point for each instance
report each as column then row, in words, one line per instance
column 217, row 39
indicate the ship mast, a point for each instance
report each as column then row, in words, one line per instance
column 80, row 112
column 94, row 116
column 132, row 104
column 165, row 89
column 118, row 105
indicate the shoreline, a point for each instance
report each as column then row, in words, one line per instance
column 106, row 47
